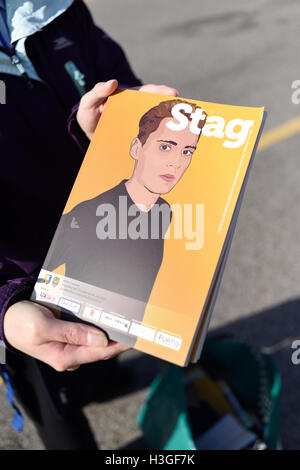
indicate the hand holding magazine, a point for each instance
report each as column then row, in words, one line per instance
column 141, row 246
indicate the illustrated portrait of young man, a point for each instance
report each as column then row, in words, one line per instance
column 115, row 241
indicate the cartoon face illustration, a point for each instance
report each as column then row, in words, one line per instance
column 163, row 159
column 161, row 152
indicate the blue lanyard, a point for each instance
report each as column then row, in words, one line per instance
column 4, row 31
column 18, row 420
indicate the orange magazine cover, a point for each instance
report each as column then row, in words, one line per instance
column 147, row 221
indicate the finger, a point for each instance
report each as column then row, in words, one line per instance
column 114, row 348
column 84, row 354
column 160, row 89
column 101, row 107
column 98, row 94
column 64, row 357
column 74, row 334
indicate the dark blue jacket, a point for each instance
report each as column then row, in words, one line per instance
column 39, row 158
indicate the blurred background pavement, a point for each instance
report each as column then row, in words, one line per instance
column 242, row 53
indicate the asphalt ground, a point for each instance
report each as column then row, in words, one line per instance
column 234, row 52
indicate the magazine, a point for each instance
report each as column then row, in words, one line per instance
column 143, row 240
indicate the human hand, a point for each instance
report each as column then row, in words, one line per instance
column 92, row 103
column 33, row 329
column 160, row 89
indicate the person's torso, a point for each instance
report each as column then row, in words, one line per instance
column 39, row 159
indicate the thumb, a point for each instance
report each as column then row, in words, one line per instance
column 75, row 333
column 98, row 94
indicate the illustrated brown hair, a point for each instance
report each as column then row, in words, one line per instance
column 150, row 121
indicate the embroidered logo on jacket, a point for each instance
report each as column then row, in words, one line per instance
column 61, row 43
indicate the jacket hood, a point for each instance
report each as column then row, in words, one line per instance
column 25, row 18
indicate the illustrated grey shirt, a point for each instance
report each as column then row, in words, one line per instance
column 110, row 243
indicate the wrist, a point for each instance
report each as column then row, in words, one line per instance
column 15, row 293
column 75, row 131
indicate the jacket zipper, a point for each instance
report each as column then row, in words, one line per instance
column 17, row 63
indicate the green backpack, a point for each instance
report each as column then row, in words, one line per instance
column 252, row 376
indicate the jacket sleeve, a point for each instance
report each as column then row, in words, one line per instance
column 21, row 286
column 107, row 55
column 12, row 290
column 110, row 62
column 76, row 132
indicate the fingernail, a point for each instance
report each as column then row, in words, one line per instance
column 96, row 339
column 109, row 82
